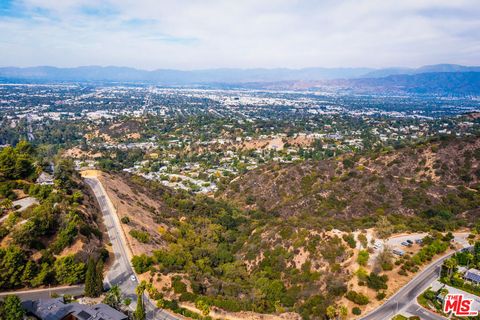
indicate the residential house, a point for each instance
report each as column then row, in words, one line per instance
column 56, row 309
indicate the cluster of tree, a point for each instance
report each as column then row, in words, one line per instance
column 468, row 259
column 47, row 229
column 11, row 308
column 208, row 245
column 17, row 271
column 433, row 244
column 17, row 163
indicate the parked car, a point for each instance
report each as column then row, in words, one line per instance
column 398, row 252
column 410, row 241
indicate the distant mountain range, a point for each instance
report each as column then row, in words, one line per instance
column 440, row 78
column 432, row 83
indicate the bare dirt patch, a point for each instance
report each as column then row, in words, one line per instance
column 140, row 210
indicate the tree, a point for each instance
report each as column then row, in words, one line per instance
column 23, row 147
column 29, row 273
column 142, row 263
column 331, row 312
column 99, row 277
column 23, row 166
column 6, row 204
column 67, row 271
column 94, row 278
column 450, row 265
column 384, row 259
column 64, row 172
column 12, row 263
column 12, row 308
column 383, row 228
column 343, row 312
column 470, row 258
column 7, row 163
column 43, row 277
column 203, row 306
column 90, row 279
column 113, row 297
column 377, row 282
column 140, row 310
column 356, row 311
column 363, row 257
column 363, row 240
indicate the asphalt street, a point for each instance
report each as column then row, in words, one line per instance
column 46, row 293
column 121, row 270
column 405, row 298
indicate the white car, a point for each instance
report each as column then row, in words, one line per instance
column 132, row 277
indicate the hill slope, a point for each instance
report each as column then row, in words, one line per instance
column 431, row 183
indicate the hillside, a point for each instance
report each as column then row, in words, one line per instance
column 428, row 184
column 49, row 240
column 279, row 240
column 442, row 83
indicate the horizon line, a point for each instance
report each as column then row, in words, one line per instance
column 235, row 68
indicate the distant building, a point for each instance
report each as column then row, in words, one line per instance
column 56, row 309
column 472, row 275
column 45, row 179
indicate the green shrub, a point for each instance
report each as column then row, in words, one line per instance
column 350, row 240
column 142, row 263
column 381, row 295
column 178, row 286
column 356, row 311
column 188, row 296
column 357, row 297
column 377, row 282
column 141, row 236
column 363, row 257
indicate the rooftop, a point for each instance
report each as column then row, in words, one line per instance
column 56, row 309
column 473, row 275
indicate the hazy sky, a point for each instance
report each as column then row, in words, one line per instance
column 195, row 34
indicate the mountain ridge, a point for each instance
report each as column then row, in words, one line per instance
column 218, row 75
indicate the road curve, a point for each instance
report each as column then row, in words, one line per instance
column 406, row 297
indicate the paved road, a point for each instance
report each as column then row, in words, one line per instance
column 121, row 270
column 23, row 203
column 424, row 314
column 46, row 293
column 405, row 298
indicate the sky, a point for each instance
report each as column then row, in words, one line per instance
column 201, row 34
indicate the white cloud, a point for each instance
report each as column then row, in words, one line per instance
column 212, row 33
